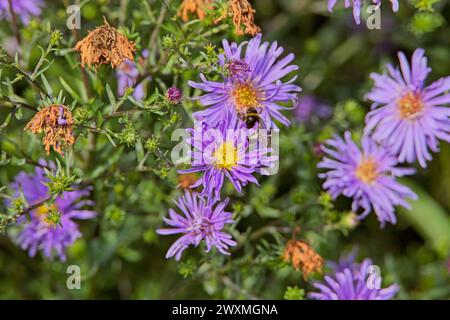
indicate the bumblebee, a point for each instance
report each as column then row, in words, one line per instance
column 250, row 117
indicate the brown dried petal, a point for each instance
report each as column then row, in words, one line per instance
column 303, row 257
column 243, row 14
column 198, row 7
column 56, row 122
column 105, row 45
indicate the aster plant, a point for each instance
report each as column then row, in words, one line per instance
column 366, row 175
column 407, row 116
column 254, row 83
column 202, row 219
column 227, row 226
column 50, row 226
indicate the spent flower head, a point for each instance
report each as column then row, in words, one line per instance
column 105, row 45
column 56, row 122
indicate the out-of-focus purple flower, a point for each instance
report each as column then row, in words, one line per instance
column 202, row 219
column 357, row 6
column 24, row 9
column 409, row 117
column 353, row 283
column 127, row 75
column 309, row 106
column 254, row 83
column 346, row 261
column 225, row 152
column 174, row 95
column 367, row 176
column 42, row 232
column 317, row 149
column 11, row 45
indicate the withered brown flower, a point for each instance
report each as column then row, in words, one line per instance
column 105, row 45
column 303, row 257
column 185, row 181
column 243, row 14
column 198, row 7
column 57, row 123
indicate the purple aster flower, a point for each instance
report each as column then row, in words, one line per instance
column 254, row 83
column 407, row 116
column 357, row 6
column 309, row 106
column 24, row 9
column 40, row 232
column 201, row 219
column 226, row 152
column 368, row 176
column 355, row 283
column 174, row 95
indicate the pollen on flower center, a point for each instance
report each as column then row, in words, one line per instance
column 367, row 171
column 245, row 96
column 226, row 155
column 410, row 105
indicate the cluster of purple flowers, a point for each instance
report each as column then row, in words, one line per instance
column 42, row 231
column 221, row 141
column 353, row 281
column 407, row 121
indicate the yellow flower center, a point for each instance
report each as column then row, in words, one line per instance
column 226, row 155
column 42, row 210
column 245, row 96
column 410, row 105
column 367, row 171
column 48, row 215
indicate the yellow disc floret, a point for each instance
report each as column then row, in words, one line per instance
column 226, row 155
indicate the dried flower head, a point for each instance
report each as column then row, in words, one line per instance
column 302, row 256
column 57, row 123
column 243, row 14
column 105, row 45
column 198, row 7
column 185, row 181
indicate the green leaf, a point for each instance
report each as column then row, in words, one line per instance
column 429, row 219
column 111, row 97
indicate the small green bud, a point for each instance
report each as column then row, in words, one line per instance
column 187, row 269
column 53, row 216
column 168, row 42
column 152, row 144
column 128, row 135
column 55, row 37
column 115, row 215
column 128, row 91
column 294, row 293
